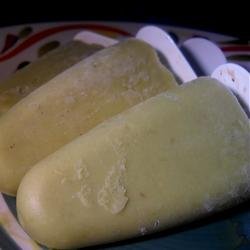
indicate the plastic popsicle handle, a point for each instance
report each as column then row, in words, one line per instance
column 161, row 41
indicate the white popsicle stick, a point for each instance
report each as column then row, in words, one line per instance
column 161, row 41
column 204, row 54
column 236, row 78
column 94, row 38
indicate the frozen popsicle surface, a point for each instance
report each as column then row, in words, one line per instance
column 75, row 101
column 175, row 157
column 24, row 81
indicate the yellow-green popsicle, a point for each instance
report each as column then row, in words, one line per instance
column 75, row 101
column 173, row 158
column 25, row 80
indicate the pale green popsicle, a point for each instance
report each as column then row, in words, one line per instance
column 171, row 159
column 75, row 101
column 25, row 80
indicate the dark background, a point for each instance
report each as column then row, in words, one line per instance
column 231, row 17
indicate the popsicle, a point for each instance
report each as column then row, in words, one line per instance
column 75, row 101
column 25, row 80
column 165, row 161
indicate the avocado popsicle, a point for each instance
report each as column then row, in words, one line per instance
column 25, row 80
column 171, row 159
column 75, row 101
